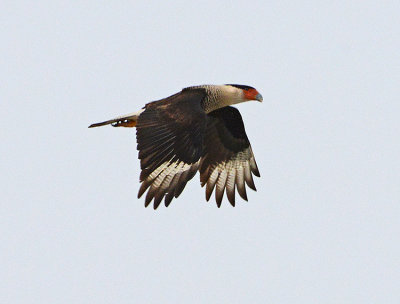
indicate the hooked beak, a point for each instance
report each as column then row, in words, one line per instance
column 259, row 97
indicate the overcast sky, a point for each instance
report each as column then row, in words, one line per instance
column 323, row 226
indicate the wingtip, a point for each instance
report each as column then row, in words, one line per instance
column 218, row 200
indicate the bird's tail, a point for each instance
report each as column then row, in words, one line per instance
column 127, row 121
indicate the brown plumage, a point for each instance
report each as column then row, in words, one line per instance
column 193, row 130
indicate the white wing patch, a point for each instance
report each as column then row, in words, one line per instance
column 231, row 174
column 167, row 180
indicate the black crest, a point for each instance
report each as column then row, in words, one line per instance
column 239, row 86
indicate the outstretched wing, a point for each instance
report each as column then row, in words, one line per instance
column 170, row 136
column 228, row 162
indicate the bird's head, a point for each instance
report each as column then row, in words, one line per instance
column 247, row 93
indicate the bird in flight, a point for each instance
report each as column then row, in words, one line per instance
column 193, row 130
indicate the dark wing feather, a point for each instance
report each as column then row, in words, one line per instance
column 228, row 162
column 170, row 136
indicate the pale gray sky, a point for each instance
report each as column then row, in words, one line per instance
column 322, row 228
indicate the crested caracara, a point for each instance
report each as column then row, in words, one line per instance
column 195, row 129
